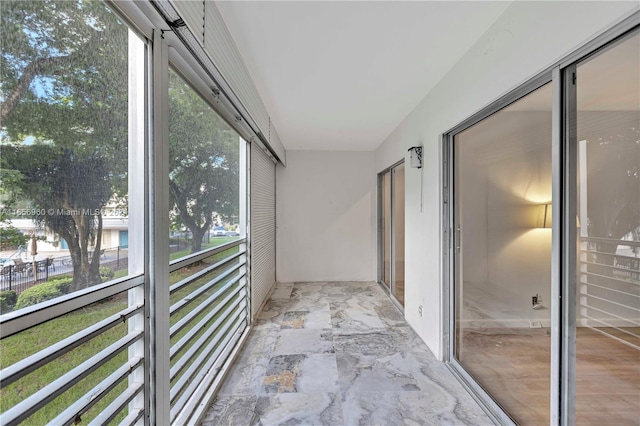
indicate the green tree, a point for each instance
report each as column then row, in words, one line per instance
column 78, row 187
column 11, row 238
column 203, row 162
column 64, row 116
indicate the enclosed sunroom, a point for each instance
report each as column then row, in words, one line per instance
column 319, row 212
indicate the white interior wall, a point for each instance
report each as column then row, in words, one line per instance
column 325, row 217
column 526, row 39
column 503, row 178
column 519, row 255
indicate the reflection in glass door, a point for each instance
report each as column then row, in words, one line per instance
column 397, row 283
column 501, row 168
column 386, row 228
column 502, row 255
column 391, row 241
column 607, row 305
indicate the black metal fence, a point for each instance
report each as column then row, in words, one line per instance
column 19, row 274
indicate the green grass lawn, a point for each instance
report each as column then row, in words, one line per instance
column 28, row 342
column 215, row 241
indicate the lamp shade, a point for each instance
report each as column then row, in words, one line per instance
column 544, row 216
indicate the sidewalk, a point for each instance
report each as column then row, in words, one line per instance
column 26, row 256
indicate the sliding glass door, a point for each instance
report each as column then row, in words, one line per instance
column 544, row 291
column 385, row 224
column 502, row 288
column 391, row 233
column 607, row 200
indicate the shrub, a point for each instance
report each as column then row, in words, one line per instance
column 42, row 292
column 8, row 300
column 106, row 274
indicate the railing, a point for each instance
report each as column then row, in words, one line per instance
column 609, row 288
column 19, row 277
column 81, row 357
column 85, row 371
column 209, row 314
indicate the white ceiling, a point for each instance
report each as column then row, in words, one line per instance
column 342, row 75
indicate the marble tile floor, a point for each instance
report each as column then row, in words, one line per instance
column 338, row 354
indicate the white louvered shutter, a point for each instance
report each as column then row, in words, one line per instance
column 263, row 226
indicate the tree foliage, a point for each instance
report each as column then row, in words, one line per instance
column 64, row 116
column 11, row 238
column 64, row 124
column 70, row 190
column 203, row 162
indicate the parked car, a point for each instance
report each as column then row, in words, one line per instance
column 232, row 234
column 219, row 231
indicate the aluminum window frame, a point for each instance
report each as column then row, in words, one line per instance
column 563, row 282
column 388, row 287
column 133, row 285
column 149, row 319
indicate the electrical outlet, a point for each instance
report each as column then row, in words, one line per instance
column 420, row 310
column 535, row 324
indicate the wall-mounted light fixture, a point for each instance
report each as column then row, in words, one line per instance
column 544, row 216
column 415, row 157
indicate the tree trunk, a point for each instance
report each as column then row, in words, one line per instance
column 197, row 237
column 86, row 269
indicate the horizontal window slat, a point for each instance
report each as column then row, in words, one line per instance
column 629, row 243
column 194, row 294
column 193, row 350
column 30, row 405
column 602, row 299
column 615, row 268
column 118, row 405
column 611, row 336
column 191, row 278
column 194, row 330
column 624, row 293
column 186, row 261
column 190, row 374
column 132, row 418
column 183, row 322
column 37, row 360
column 608, row 314
column 82, row 405
column 22, row 319
column 611, row 279
column 205, row 371
column 194, row 406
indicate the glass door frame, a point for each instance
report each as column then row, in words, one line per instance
column 564, row 250
column 388, row 287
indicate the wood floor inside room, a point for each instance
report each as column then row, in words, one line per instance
column 513, row 365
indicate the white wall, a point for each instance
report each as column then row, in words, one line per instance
column 502, row 185
column 325, row 217
column 526, row 39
